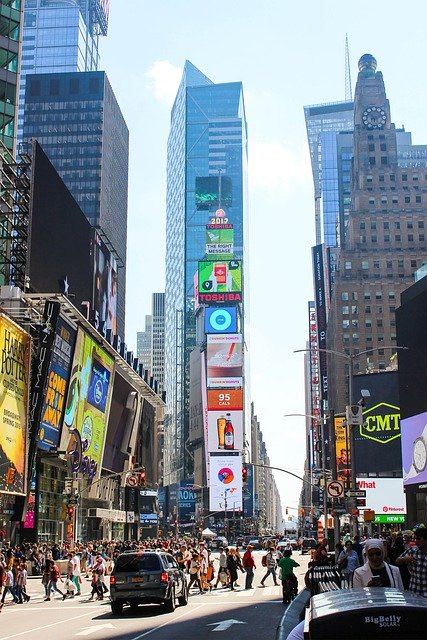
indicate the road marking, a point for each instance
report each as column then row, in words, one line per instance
column 46, row 626
column 224, row 625
column 88, row 630
column 147, row 633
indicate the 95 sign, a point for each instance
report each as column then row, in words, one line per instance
column 225, row 399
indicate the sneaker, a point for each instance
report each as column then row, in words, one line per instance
column 46, row 600
column 63, row 597
column 28, row 598
column 261, row 585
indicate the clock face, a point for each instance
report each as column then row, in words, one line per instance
column 374, row 118
column 419, row 455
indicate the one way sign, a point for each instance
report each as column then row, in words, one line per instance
column 355, row 494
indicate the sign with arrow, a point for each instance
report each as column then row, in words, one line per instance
column 224, row 625
column 355, row 494
column 335, row 489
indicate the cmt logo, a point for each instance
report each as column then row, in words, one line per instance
column 381, row 423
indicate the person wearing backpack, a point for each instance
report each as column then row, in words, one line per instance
column 271, row 564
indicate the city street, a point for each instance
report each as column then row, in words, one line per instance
column 239, row 615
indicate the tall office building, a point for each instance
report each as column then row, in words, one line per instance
column 10, row 49
column 158, row 339
column 385, row 241
column 60, row 35
column 206, row 169
column 78, row 122
column 143, row 344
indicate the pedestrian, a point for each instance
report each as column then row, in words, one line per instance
column 21, row 584
column 397, row 549
column 204, row 558
column 76, row 571
column 222, row 571
column 249, row 566
column 376, row 572
column 271, row 564
column 100, row 572
column 415, row 558
column 46, row 576
column 195, row 566
column 348, row 562
column 8, row 587
column 358, row 548
column 233, row 563
column 286, row 565
column 54, row 577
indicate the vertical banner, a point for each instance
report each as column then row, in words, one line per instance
column 320, row 290
column 342, row 451
column 15, row 346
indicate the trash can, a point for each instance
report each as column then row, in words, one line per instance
column 370, row 613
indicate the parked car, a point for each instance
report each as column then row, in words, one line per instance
column 256, row 543
column 147, row 577
column 307, row 544
column 218, row 542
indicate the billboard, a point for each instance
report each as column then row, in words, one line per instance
column 225, row 487
column 212, row 192
column 104, row 307
column 220, row 281
column 187, row 500
column 342, row 451
column 220, row 244
column 88, row 401
column 225, row 431
column 377, row 441
column 225, row 399
column 196, row 423
column 322, row 307
column 221, row 320
column 15, row 347
column 414, row 449
column 123, row 414
column 383, row 495
column 224, row 360
column 53, row 404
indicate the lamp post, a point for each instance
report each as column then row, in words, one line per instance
column 325, row 478
column 350, row 357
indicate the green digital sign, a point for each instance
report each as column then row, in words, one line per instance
column 383, row 519
column 219, row 244
column 220, row 281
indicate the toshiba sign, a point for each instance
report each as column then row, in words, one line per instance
column 383, row 495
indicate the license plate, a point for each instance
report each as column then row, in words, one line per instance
column 137, row 579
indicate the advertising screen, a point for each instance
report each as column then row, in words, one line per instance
column 88, row 401
column 378, row 442
column 414, row 449
column 120, row 422
column 225, row 431
column 225, row 488
column 104, row 287
column 15, row 345
column 220, row 244
column 57, row 381
column 221, row 320
column 196, row 424
column 342, row 451
column 384, row 495
column 220, row 281
column 187, row 500
column 225, row 399
column 224, row 365
column 210, row 192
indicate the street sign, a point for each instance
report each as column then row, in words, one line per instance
column 355, row 494
column 354, row 415
column 335, row 489
column 338, row 510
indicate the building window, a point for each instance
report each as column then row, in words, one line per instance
column 389, row 264
column 371, row 200
column 345, row 311
column 344, row 295
column 387, row 238
column 371, row 161
column 368, row 323
column 376, row 264
column 404, row 177
column 355, row 323
column 421, row 237
column 378, row 295
column 369, row 178
column 400, row 264
column 418, row 199
column 354, row 295
column 410, row 237
column 383, row 147
column 383, row 199
column 365, row 264
column 397, row 225
column 420, row 224
column 347, row 265
column 367, row 295
column 371, row 146
column 395, row 200
column 409, row 225
column 413, row 264
column 374, row 239
column 383, row 160
column 391, row 295
column 407, row 199
column 379, row 322
column 373, row 225
column 392, row 177
column 362, row 226
column 392, row 309
column 381, row 177
column 345, row 324
column 397, row 238
column 354, row 309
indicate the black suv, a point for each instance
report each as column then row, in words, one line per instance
column 144, row 577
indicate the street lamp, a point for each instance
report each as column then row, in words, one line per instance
column 350, row 357
column 325, row 477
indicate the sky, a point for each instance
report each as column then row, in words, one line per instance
column 287, row 55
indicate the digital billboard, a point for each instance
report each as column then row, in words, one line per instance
column 220, row 281
column 383, row 495
column 123, row 413
column 322, row 303
column 53, row 405
column 187, row 500
column 377, row 441
column 105, row 277
column 225, row 399
column 342, row 451
column 196, row 423
column 225, row 431
column 220, row 244
column 15, row 347
column 212, row 192
column 225, row 486
column 88, row 401
column 224, row 360
column 414, row 449
column 221, row 320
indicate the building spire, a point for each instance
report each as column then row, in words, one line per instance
column 348, row 90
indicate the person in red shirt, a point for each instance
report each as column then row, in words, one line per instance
column 248, row 562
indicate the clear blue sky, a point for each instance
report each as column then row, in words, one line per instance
column 287, row 54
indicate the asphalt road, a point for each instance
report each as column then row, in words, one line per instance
column 238, row 615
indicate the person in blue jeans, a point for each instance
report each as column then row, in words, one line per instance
column 54, row 577
column 271, row 563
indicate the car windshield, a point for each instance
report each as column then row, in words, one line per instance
column 127, row 563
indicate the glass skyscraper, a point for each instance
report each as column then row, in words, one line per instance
column 78, row 122
column 10, row 25
column 207, row 156
column 60, row 35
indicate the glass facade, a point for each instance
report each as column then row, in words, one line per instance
column 207, row 139
column 58, row 35
column 10, row 34
column 76, row 119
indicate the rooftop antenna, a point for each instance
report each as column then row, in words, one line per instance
column 348, row 91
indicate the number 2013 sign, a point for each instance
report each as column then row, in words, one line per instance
column 225, row 399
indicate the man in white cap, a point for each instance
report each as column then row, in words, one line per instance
column 376, row 572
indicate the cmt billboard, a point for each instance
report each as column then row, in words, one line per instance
column 377, row 441
column 53, row 404
column 225, row 486
column 88, row 403
column 220, row 281
column 15, row 347
column 224, row 360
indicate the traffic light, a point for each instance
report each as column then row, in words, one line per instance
column 287, row 510
column 244, row 474
column 70, row 513
column 142, row 479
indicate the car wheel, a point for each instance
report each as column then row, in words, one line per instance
column 117, row 608
column 183, row 600
column 169, row 605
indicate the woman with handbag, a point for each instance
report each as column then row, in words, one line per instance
column 348, row 562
